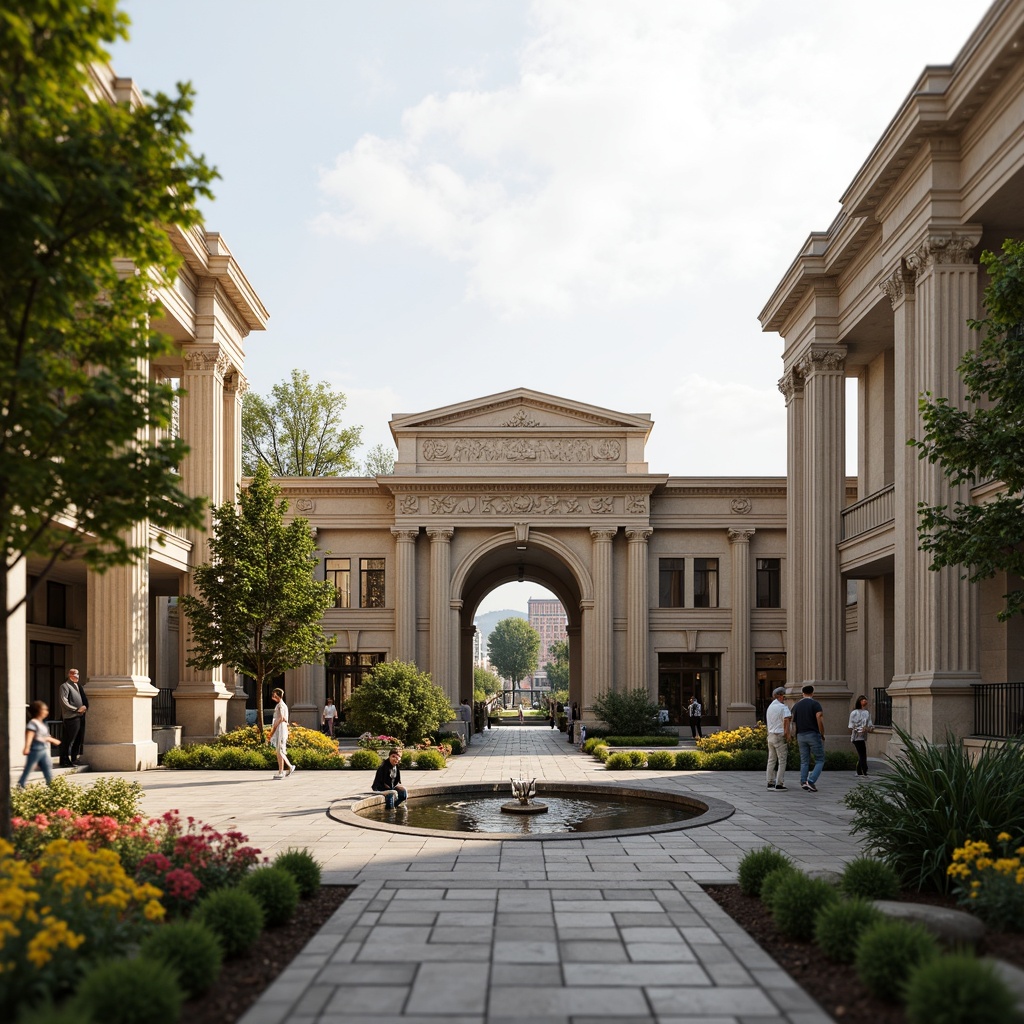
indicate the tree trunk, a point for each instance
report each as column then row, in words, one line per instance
column 5, row 724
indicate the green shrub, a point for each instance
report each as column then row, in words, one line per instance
column 888, row 951
column 275, row 891
column 193, row 757
column 620, row 761
column 602, row 753
column 191, row 950
column 407, row 759
column 637, row 758
column 234, row 916
column 870, row 878
column 932, row 800
column 237, row 759
column 396, row 699
column 429, row 760
column 49, row 1013
column 115, row 798
column 720, row 761
column 666, row 740
column 661, row 760
column 453, row 739
column 364, row 760
column 750, row 760
column 129, row 991
column 839, row 926
column 756, row 864
column 303, row 867
column 315, row 760
column 958, row 989
column 773, row 879
column 591, row 743
column 688, row 761
column 796, row 902
column 628, row 712
column 840, row 760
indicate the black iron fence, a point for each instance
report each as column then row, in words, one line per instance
column 998, row 710
column 164, row 712
column 883, row 708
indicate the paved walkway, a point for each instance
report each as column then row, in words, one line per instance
column 609, row 931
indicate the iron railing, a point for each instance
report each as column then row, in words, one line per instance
column 998, row 709
column 164, row 712
column 883, row 708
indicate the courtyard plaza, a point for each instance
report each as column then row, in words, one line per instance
column 487, row 931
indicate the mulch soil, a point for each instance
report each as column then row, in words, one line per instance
column 244, row 979
column 836, row 987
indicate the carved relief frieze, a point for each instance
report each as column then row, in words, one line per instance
column 521, row 419
column 452, row 505
column 636, row 504
column 741, row 506
column 409, row 505
column 512, row 449
column 305, row 505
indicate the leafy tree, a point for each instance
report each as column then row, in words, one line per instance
column 397, row 699
column 628, row 712
column 259, row 607
column 984, row 441
column 298, row 431
column 558, row 668
column 87, row 189
column 485, row 684
column 512, row 647
column 380, row 461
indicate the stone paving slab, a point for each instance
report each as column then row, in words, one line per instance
column 587, row 931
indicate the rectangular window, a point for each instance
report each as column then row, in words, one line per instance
column 769, row 583
column 56, row 605
column 345, row 671
column 705, row 583
column 682, row 676
column 371, row 582
column 671, row 574
column 339, row 572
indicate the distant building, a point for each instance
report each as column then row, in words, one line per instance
column 547, row 616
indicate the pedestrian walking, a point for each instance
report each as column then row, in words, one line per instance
column 329, row 717
column 810, row 737
column 777, row 719
column 37, row 744
column 696, row 712
column 860, row 725
column 278, row 738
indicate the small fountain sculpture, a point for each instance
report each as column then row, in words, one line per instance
column 524, row 791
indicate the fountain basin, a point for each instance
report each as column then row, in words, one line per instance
column 673, row 810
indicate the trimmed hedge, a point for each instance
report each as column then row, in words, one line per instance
column 663, row 740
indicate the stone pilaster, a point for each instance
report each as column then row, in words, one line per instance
column 792, row 387
column 637, row 602
column 601, row 667
column 440, row 608
column 305, row 688
column 739, row 698
column 405, row 602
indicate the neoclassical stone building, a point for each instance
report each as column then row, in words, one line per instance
column 883, row 297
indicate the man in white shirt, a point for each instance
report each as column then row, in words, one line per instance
column 777, row 718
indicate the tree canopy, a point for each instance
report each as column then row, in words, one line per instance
column 380, row 461
column 397, row 699
column 983, row 441
column 87, row 189
column 485, row 684
column 628, row 712
column 259, row 607
column 558, row 668
column 513, row 646
column 298, row 431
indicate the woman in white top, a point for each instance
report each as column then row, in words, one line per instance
column 37, row 743
column 329, row 717
column 279, row 734
column 860, row 725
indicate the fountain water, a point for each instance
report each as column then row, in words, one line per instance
column 524, row 803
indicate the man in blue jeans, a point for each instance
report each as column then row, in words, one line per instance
column 810, row 738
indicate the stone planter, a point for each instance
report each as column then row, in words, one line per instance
column 166, row 737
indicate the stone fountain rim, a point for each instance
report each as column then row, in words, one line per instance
column 713, row 810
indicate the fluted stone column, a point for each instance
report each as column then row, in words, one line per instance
column 637, row 605
column 440, row 609
column 792, row 386
column 740, row 699
column 405, row 599
column 119, row 733
column 601, row 643
column 305, row 689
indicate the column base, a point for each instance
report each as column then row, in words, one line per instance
column 202, row 715
column 740, row 714
column 119, row 724
column 236, row 712
column 120, row 757
column 931, row 706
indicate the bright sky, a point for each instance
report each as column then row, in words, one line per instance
column 592, row 198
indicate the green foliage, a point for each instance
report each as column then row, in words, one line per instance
column 756, row 864
column 512, row 647
column 485, row 684
column 252, row 737
column 303, row 867
column 190, row 949
column 932, row 800
column 720, row 761
column 839, row 926
column 871, row 879
column 111, row 797
column 602, row 752
column 429, row 760
column 129, row 991
column 887, row 953
column 234, row 759
column 661, row 760
column 990, row 882
column 750, row 760
column 839, row 760
column 276, row 891
column 958, row 989
column 796, row 902
column 397, row 699
column 773, row 879
column 234, row 916
column 628, row 712
column 364, row 760
column 689, row 761
column 407, row 758
column 379, row 461
column 620, row 761
column 298, row 431
column 557, row 668
column 637, row 758
column 983, row 440
column 591, row 743
column 453, row 739
column 667, row 740
column 743, row 738
column 48, row 1013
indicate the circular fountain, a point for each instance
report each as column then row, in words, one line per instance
column 524, row 803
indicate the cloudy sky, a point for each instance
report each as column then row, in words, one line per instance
column 442, row 199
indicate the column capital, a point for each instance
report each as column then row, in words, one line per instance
column 237, row 383
column 791, row 383
column 603, row 534
column 403, row 535
column 942, row 249
column 822, row 360
column 740, row 536
column 899, row 285
column 440, row 534
column 203, row 358
column 639, row 536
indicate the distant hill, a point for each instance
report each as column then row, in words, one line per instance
column 486, row 622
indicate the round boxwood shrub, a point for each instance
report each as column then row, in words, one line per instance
column 364, row 760
column 637, row 758
column 796, row 902
column 661, row 760
column 602, row 753
column 688, row 761
column 619, row 761
column 234, row 916
column 750, row 760
column 870, row 878
column 407, row 759
column 888, row 951
column 129, row 991
column 774, row 878
column 756, row 864
column 839, row 926
column 238, row 759
column 303, row 867
column 429, row 760
column 190, row 949
column 275, row 891
column 840, row 760
column 719, row 761
column 195, row 756
column 957, row 989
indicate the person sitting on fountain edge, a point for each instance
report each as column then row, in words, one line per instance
column 388, row 780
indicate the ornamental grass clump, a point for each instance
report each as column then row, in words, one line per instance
column 756, row 865
column 661, row 760
column 871, row 879
column 130, row 991
column 276, row 892
column 234, row 916
column 958, row 989
column 191, row 950
column 839, row 926
column 796, row 902
column 888, row 951
column 303, row 867
column 364, row 760
column 991, row 884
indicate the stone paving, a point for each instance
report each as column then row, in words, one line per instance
column 609, row 931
